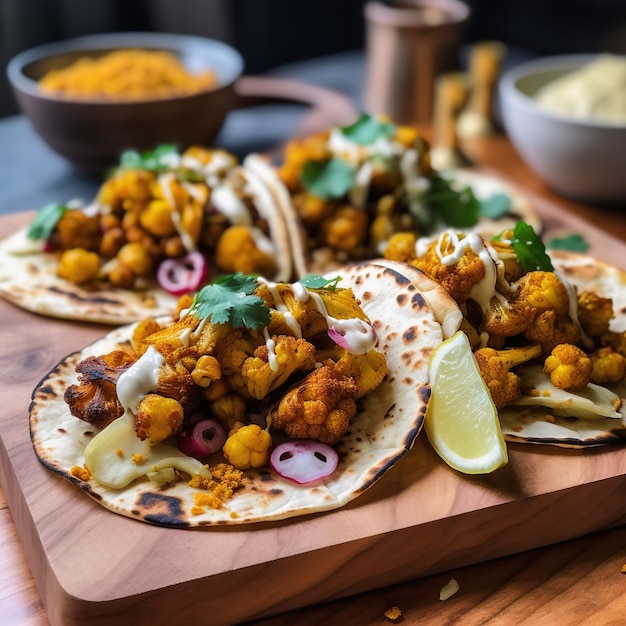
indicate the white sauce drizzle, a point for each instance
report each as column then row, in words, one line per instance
column 165, row 181
column 139, row 379
column 270, row 344
column 360, row 190
column 229, row 204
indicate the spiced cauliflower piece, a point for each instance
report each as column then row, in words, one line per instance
column 594, row 313
column 550, row 329
column 608, row 366
column 569, row 367
column 457, row 279
column 368, row 370
column 247, row 447
column 495, row 367
column 264, row 372
column 239, row 249
column 79, row 266
column 158, row 418
column 320, row 407
column 94, row 399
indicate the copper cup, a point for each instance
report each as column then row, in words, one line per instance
column 408, row 45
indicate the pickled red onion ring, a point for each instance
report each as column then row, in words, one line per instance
column 304, row 460
column 203, row 438
column 183, row 275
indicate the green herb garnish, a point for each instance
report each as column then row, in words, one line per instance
column 495, row 206
column 45, row 221
column 456, row 208
column 530, row 251
column 367, row 129
column 313, row 281
column 328, row 179
column 573, row 243
column 151, row 160
column 231, row 299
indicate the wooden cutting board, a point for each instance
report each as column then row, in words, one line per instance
column 94, row 567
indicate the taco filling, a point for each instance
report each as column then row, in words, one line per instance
column 351, row 189
column 163, row 224
column 547, row 331
column 256, row 391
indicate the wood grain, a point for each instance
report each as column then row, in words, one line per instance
column 398, row 530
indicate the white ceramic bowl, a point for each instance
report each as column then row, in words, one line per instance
column 582, row 160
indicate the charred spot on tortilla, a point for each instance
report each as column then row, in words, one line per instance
column 91, row 299
column 419, row 299
column 409, row 335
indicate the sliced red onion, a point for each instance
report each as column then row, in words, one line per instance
column 338, row 338
column 183, row 275
column 354, row 335
column 304, row 460
column 202, row 439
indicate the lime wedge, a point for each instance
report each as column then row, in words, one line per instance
column 461, row 420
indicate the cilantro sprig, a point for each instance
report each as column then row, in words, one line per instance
column 367, row 130
column 328, row 179
column 45, row 221
column 313, row 281
column 572, row 243
column 529, row 249
column 231, row 299
column 153, row 160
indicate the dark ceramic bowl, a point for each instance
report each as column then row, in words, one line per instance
column 92, row 134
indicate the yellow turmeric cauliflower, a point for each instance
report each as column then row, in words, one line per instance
column 249, row 446
column 608, row 366
column 594, row 313
column 569, row 367
column 265, row 372
column 320, row 407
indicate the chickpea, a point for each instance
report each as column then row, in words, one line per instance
column 207, row 369
column 121, row 276
column 347, row 229
column 157, row 219
column 111, row 242
column 135, row 256
column 79, row 265
column 173, row 247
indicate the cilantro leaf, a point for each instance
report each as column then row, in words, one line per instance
column 232, row 299
column 45, row 221
column 530, row 251
column 313, row 281
column 495, row 206
column 328, row 179
column 573, row 243
column 367, row 129
column 155, row 160
column 457, row 208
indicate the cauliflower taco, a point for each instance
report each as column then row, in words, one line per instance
column 259, row 401
column 349, row 190
column 547, row 330
column 162, row 224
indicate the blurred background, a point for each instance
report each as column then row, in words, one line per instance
column 272, row 35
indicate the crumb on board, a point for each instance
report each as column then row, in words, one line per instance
column 449, row 589
column 138, row 459
column 623, row 570
column 120, row 453
column 393, row 614
column 82, row 473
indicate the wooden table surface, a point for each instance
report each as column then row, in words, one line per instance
column 575, row 582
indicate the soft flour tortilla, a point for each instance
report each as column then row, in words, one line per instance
column 538, row 425
column 28, row 274
column 385, row 428
column 29, row 281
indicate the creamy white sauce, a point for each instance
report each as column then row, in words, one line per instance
column 139, row 379
column 360, row 190
column 281, row 307
column 270, row 344
column 165, row 182
column 231, row 206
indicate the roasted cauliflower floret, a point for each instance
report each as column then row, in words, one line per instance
column 544, row 291
column 550, row 330
column 495, row 367
column 94, row 398
column 368, row 370
column 346, row 229
column 457, row 279
column 608, row 366
column 238, row 250
column 265, row 371
column 249, row 446
column 158, row 418
column 79, row 266
column 569, row 367
column 320, row 407
column 594, row 313
column 507, row 317
column 401, row 247
column 76, row 229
